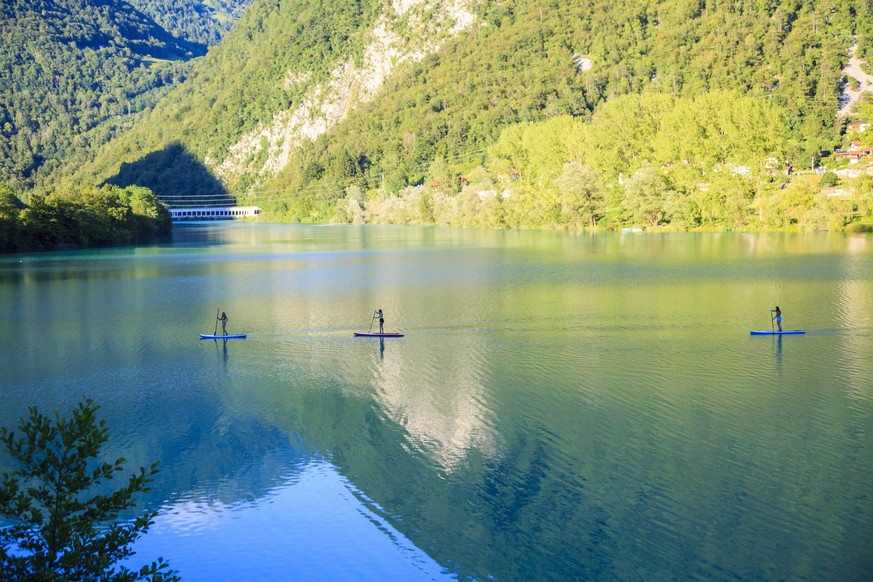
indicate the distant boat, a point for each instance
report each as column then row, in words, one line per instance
column 772, row 332
column 376, row 334
column 223, row 337
column 632, row 229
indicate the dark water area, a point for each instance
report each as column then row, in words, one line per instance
column 561, row 407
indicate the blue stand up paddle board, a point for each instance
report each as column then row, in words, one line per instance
column 229, row 336
column 376, row 334
column 783, row 332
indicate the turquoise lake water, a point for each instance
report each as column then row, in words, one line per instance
column 561, row 407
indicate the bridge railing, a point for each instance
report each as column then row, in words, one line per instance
column 213, row 212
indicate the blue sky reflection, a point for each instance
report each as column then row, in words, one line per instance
column 312, row 527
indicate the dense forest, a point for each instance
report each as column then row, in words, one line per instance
column 76, row 73
column 202, row 21
column 534, row 114
column 86, row 217
column 456, row 104
column 437, row 122
column 650, row 160
column 243, row 81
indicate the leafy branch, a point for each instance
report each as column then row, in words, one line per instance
column 60, row 529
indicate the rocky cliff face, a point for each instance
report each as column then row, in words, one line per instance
column 854, row 70
column 408, row 30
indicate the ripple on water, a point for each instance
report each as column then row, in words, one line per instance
column 561, row 408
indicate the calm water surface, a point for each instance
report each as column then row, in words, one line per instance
column 562, row 407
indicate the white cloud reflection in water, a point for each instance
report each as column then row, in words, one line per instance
column 438, row 399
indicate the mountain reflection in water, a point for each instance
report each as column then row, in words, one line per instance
column 561, row 406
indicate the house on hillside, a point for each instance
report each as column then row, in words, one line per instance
column 855, row 152
column 859, row 126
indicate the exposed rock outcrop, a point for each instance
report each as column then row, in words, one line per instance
column 427, row 24
column 853, row 70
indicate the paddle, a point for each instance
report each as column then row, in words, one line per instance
column 372, row 319
column 772, row 317
column 215, row 332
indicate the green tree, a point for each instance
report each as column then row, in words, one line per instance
column 828, row 179
column 582, row 198
column 648, row 195
column 10, row 223
column 624, row 130
column 61, row 530
column 794, row 204
column 726, row 200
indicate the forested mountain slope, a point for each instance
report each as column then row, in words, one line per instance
column 201, row 21
column 73, row 71
column 304, row 100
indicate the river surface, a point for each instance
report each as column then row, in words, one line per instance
column 561, row 407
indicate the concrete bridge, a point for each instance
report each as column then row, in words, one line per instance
column 213, row 212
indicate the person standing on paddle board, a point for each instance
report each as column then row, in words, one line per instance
column 381, row 321
column 777, row 316
column 223, row 320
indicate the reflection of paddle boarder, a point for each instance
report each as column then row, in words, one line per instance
column 223, row 320
column 381, row 321
column 777, row 317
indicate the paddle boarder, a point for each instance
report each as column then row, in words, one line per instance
column 223, row 320
column 381, row 321
column 777, row 317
